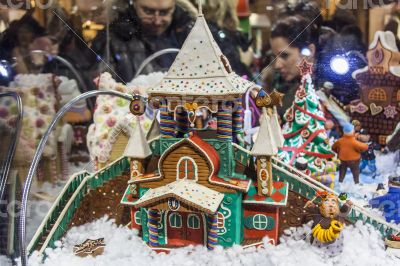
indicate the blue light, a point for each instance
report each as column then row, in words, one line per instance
column 339, row 64
column 306, row 52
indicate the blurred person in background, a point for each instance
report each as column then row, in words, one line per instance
column 141, row 29
column 147, row 26
column 289, row 48
column 66, row 32
column 16, row 41
column 235, row 45
column 301, row 33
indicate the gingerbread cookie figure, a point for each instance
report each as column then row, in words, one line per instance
column 328, row 222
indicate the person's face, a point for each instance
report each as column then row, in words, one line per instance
column 330, row 207
column 155, row 15
column 287, row 58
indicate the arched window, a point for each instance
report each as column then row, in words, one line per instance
column 193, row 221
column 186, row 169
column 138, row 218
column 175, row 220
column 377, row 95
column 220, row 220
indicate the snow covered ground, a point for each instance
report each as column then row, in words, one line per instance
column 363, row 244
column 386, row 167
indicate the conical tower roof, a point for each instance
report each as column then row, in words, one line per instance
column 265, row 144
column 137, row 146
column 200, row 68
column 154, row 131
column 276, row 129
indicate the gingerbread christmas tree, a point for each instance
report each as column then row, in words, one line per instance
column 304, row 131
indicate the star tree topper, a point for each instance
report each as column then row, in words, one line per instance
column 305, row 67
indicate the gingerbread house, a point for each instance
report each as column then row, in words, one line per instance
column 187, row 184
column 378, row 108
column 112, row 121
column 39, row 94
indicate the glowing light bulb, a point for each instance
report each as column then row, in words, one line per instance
column 339, row 64
column 306, row 52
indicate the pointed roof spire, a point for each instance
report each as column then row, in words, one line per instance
column 200, row 4
column 137, row 146
column 276, row 129
column 154, row 131
column 265, row 144
column 200, row 68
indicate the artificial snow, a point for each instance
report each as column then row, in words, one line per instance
column 4, row 261
column 363, row 245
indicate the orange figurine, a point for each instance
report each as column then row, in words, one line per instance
column 349, row 151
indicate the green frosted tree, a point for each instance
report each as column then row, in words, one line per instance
column 304, row 131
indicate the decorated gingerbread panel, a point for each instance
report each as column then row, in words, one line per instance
column 261, row 221
column 185, row 163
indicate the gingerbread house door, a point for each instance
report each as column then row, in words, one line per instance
column 185, row 228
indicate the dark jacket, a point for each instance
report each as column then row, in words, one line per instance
column 370, row 154
column 129, row 46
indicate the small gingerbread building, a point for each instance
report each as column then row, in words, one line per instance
column 378, row 108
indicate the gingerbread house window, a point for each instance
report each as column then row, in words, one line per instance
column 260, row 222
column 193, row 221
column 377, row 95
column 398, row 96
column 175, row 220
column 186, row 169
column 138, row 219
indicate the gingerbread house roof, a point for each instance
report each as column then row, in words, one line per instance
column 199, row 196
column 195, row 141
column 137, row 146
column 200, row 68
column 265, row 145
column 388, row 41
column 121, row 127
column 386, row 38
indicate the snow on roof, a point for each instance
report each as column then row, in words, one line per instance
column 137, row 146
column 265, row 144
column 387, row 40
column 359, row 71
column 200, row 68
column 187, row 191
column 395, row 70
column 121, row 126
